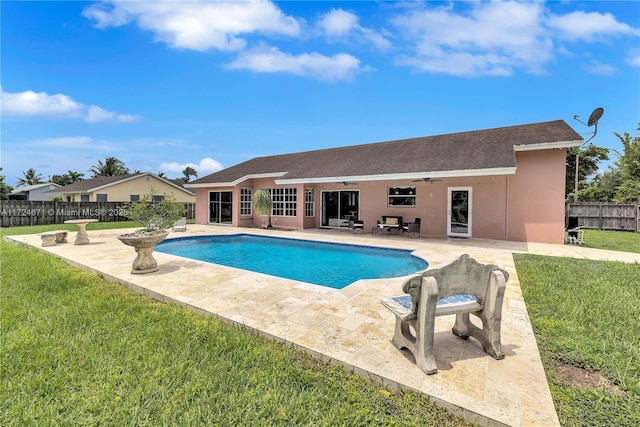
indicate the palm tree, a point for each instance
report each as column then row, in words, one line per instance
column 110, row 167
column 262, row 203
column 68, row 178
column 188, row 173
column 30, row 178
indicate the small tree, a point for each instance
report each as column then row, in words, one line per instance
column 155, row 216
column 262, row 203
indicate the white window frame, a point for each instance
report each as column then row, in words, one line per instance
column 310, row 202
column 401, row 192
column 284, row 201
column 246, row 209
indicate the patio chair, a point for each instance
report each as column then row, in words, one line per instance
column 180, row 225
column 356, row 225
column 461, row 287
column 412, row 227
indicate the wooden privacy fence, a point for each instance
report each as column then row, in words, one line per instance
column 605, row 216
column 15, row 213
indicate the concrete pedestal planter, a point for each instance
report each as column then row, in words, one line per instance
column 144, row 245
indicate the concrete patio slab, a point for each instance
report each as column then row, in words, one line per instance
column 350, row 326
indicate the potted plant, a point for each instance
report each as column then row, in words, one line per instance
column 262, row 203
column 157, row 218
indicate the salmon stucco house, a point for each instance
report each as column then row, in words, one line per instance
column 506, row 183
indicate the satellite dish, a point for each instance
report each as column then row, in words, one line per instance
column 426, row 180
column 595, row 116
column 593, row 121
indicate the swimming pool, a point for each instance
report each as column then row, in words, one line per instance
column 333, row 265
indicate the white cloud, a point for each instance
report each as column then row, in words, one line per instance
column 341, row 24
column 491, row 39
column 498, row 38
column 41, row 104
column 265, row 59
column 96, row 114
column 29, row 103
column 598, row 68
column 338, row 22
column 205, row 166
column 589, row 26
column 633, row 58
column 197, row 25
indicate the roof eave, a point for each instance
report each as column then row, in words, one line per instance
column 237, row 181
column 401, row 176
column 548, row 145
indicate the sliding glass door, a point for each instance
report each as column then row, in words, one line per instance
column 338, row 207
column 220, row 207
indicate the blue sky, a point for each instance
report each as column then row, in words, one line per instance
column 166, row 85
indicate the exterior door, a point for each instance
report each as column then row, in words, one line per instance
column 220, row 207
column 338, row 207
column 459, row 212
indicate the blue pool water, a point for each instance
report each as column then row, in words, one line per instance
column 327, row 264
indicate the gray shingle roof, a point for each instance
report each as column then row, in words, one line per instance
column 93, row 184
column 481, row 150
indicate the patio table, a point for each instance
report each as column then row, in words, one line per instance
column 380, row 230
column 82, row 238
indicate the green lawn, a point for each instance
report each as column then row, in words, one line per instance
column 586, row 315
column 613, row 240
column 78, row 350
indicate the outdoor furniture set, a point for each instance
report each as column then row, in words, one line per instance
column 395, row 225
column 51, row 238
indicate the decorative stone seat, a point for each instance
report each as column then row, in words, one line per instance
column 50, row 238
column 461, row 287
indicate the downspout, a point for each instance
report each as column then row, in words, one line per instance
column 506, row 206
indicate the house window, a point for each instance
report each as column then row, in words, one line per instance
column 157, row 198
column 84, row 197
column 284, row 201
column 402, row 196
column 134, row 197
column 101, row 197
column 245, row 201
column 309, row 202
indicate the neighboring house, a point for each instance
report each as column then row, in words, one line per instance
column 123, row 188
column 505, row 183
column 37, row 192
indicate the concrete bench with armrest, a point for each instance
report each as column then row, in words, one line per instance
column 461, row 287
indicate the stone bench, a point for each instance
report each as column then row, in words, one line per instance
column 461, row 287
column 51, row 238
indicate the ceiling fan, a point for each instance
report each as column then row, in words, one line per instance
column 426, row 180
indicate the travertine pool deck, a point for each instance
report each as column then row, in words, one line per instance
column 350, row 326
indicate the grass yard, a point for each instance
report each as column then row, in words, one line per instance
column 79, row 350
column 586, row 317
column 613, row 240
